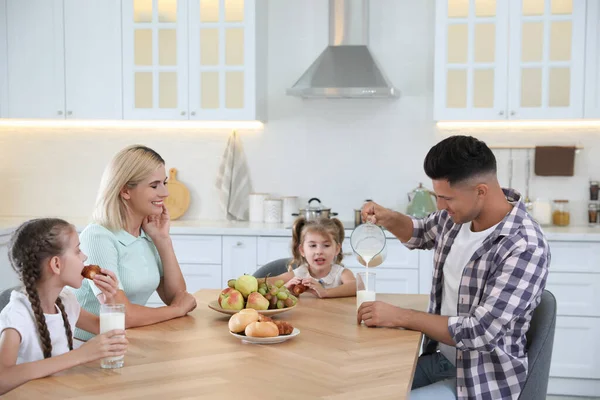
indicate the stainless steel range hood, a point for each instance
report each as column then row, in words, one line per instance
column 346, row 68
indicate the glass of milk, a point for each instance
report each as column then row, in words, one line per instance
column 365, row 288
column 112, row 316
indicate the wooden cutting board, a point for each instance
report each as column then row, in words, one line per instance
column 179, row 196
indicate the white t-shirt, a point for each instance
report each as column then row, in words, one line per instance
column 19, row 315
column 465, row 244
column 333, row 278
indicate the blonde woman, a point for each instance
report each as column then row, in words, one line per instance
column 129, row 236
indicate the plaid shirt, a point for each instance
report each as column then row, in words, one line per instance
column 499, row 289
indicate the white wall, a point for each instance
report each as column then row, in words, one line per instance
column 341, row 151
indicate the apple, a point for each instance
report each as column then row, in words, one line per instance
column 257, row 301
column 231, row 283
column 231, row 299
column 246, row 284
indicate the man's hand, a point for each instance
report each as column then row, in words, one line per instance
column 378, row 313
column 373, row 212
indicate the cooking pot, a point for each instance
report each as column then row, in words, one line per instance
column 311, row 213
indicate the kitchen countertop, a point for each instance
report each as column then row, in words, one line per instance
column 244, row 228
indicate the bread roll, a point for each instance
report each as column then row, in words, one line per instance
column 239, row 321
column 262, row 329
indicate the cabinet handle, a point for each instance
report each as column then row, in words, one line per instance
column 183, row 113
column 69, row 112
column 347, row 254
column 193, row 112
column 239, row 244
column 501, row 113
column 512, row 113
column 60, row 113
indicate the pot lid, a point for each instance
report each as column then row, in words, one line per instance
column 318, row 207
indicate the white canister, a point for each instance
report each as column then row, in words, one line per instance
column 290, row 206
column 256, row 208
column 273, row 210
column 542, row 211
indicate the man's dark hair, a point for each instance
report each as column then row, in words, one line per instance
column 458, row 158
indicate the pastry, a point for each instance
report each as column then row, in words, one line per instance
column 89, row 271
column 285, row 328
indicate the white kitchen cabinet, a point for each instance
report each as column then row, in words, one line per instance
column 388, row 280
column 273, row 248
column 576, row 353
column 194, row 59
column 471, row 56
column 200, row 260
column 63, row 59
column 546, row 61
column 592, row 61
column 93, row 75
column 239, row 257
column 35, row 56
column 522, row 59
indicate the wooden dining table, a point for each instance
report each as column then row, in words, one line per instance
column 195, row 357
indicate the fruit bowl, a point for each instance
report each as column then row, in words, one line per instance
column 214, row 305
column 267, row 340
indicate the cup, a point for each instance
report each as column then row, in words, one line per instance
column 365, row 288
column 112, row 316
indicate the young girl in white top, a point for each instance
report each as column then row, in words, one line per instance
column 36, row 327
column 317, row 249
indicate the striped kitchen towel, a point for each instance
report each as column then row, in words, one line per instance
column 233, row 180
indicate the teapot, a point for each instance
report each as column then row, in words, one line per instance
column 421, row 202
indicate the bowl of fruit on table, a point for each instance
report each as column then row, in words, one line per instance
column 250, row 292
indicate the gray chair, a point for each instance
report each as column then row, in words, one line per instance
column 5, row 296
column 273, row 268
column 540, row 339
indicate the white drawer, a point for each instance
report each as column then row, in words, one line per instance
column 388, row 280
column 201, row 276
column 575, row 256
column 576, row 294
column 273, row 248
column 198, row 249
column 398, row 256
column 576, row 351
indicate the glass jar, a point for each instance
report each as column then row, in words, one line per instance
column 594, row 190
column 592, row 214
column 561, row 216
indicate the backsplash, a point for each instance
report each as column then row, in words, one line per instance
column 341, row 151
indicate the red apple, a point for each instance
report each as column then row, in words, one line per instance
column 231, row 299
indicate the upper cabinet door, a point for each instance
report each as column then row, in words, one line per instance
column 471, row 53
column 547, row 51
column 35, row 59
column 93, row 59
column 592, row 60
column 222, row 59
column 155, row 63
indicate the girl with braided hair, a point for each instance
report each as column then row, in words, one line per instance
column 36, row 327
